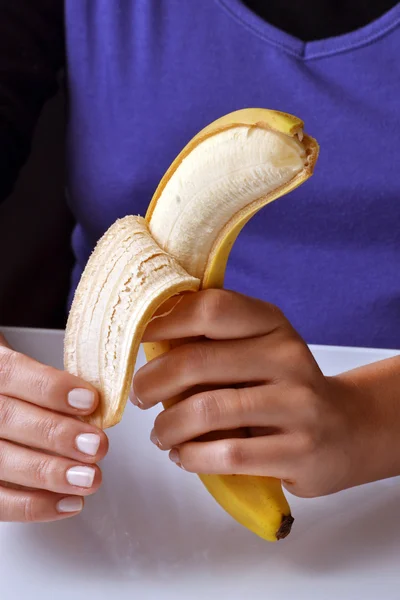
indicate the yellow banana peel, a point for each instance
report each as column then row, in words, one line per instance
column 225, row 175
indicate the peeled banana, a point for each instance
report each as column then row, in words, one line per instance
column 225, row 174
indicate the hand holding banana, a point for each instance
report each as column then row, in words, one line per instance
column 278, row 417
column 270, row 410
column 245, row 404
column 224, row 175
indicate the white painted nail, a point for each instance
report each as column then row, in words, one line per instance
column 81, row 398
column 154, row 438
column 134, row 399
column 88, row 443
column 70, row 504
column 81, row 476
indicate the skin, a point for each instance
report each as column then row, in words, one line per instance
column 38, row 433
column 254, row 401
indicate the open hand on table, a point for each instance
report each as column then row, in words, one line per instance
column 255, row 401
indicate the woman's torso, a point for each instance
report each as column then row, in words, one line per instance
column 145, row 75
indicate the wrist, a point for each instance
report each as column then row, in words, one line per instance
column 370, row 397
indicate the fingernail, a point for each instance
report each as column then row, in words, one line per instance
column 154, row 438
column 174, row 456
column 81, row 476
column 88, row 443
column 134, row 399
column 81, row 398
column 70, row 504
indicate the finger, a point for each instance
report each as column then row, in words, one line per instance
column 264, row 456
column 33, row 506
column 215, row 314
column 257, row 360
column 38, row 470
column 39, row 428
column 219, row 410
column 25, row 378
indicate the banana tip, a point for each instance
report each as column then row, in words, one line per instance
column 285, row 528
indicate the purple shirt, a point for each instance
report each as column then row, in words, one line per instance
column 145, row 75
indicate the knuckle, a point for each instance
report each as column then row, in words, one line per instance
column 194, row 359
column 243, row 400
column 42, row 383
column 7, row 412
column 307, row 445
column 49, row 431
column 11, row 508
column 277, row 313
column 3, row 454
column 206, row 408
column 296, row 352
column 28, row 509
column 8, row 364
column 41, row 471
column 214, row 304
column 3, row 504
column 233, row 456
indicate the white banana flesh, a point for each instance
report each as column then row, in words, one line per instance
column 225, row 175
column 126, row 279
column 218, row 178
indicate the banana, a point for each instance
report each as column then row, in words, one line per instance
column 126, row 279
column 225, row 174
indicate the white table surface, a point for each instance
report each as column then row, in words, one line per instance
column 153, row 532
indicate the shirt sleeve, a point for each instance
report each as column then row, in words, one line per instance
column 31, row 56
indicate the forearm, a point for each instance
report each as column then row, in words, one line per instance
column 377, row 387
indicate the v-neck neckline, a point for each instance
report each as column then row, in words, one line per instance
column 314, row 49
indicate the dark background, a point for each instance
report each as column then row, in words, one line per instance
column 35, row 230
